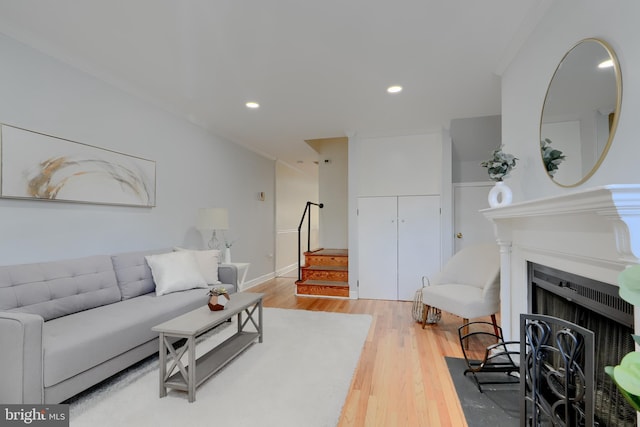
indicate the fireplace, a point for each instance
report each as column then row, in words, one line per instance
column 593, row 234
column 595, row 306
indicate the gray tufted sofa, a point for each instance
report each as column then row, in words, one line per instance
column 67, row 325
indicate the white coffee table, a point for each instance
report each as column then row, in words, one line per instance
column 195, row 323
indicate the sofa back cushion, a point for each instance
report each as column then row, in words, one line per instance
column 133, row 273
column 58, row 288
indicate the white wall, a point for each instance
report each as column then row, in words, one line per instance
column 293, row 189
column 473, row 139
column 332, row 182
column 194, row 169
column 405, row 165
column 525, row 82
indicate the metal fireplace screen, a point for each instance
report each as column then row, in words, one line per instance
column 554, row 357
column 597, row 307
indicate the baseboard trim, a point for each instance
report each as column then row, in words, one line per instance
column 287, row 269
column 257, row 281
column 320, row 296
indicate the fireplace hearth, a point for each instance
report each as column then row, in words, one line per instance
column 597, row 307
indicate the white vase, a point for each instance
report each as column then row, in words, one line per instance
column 227, row 255
column 500, row 195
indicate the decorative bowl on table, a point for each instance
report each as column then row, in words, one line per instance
column 218, row 299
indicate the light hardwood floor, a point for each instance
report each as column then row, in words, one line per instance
column 402, row 377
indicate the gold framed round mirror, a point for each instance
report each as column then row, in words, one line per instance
column 580, row 112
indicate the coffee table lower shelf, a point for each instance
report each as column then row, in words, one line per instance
column 214, row 360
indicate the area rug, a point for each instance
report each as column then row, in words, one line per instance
column 299, row 375
column 497, row 405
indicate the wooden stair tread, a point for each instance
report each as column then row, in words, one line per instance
column 329, row 252
column 323, row 283
column 327, row 267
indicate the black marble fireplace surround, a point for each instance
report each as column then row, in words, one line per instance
column 596, row 306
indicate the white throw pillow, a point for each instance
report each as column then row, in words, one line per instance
column 207, row 261
column 175, row 271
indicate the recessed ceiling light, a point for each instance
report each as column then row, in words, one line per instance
column 606, row 64
column 394, row 89
column 252, row 104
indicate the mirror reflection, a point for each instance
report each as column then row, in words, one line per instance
column 580, row 112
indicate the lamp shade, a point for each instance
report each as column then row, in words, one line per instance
column 213, row 219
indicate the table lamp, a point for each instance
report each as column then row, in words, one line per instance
column 213, row 219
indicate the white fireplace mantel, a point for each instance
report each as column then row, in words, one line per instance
column 594, row 233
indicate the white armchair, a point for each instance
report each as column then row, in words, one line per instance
column 468, row 285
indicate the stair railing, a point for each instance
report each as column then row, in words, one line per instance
column 307, row 209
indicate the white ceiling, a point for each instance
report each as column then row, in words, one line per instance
column 318, row 68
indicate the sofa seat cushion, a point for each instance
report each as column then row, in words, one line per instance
column 72, row 344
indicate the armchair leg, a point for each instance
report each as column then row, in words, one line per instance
column 465, row 331
column 425, row 312
column 495, row 325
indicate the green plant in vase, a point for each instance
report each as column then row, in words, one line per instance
column 551, row 157
column 500, row 164
column 626, row 375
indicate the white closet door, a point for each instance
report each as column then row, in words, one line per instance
column 418, row 242
column 378, row 248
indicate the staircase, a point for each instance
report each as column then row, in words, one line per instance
column 325, row 274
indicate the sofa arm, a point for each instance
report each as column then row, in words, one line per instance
column 21, row 358
column 228, row 275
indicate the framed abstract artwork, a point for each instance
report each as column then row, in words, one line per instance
column 43, row 167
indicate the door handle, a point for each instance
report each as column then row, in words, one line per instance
column 459, row 235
